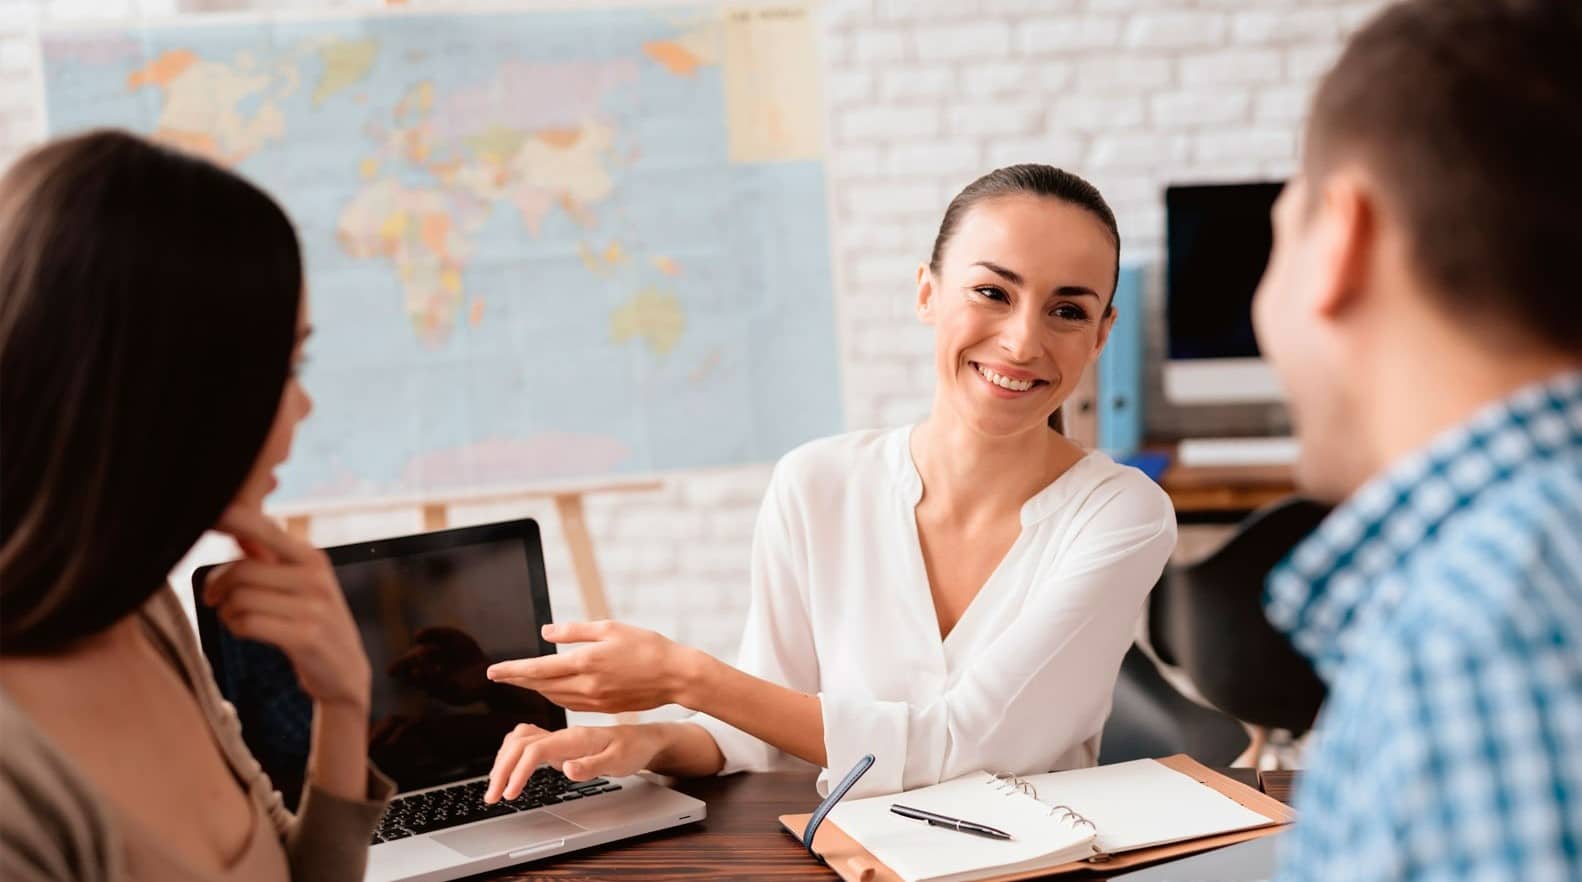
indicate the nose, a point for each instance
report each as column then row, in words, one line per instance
column 1019, row 335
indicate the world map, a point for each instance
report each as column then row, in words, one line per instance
column 540, row 245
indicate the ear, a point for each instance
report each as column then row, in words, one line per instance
column 925, row 294
column 1348, row 237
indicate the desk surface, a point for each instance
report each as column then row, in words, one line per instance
column 741, row 839
column 1224, row 492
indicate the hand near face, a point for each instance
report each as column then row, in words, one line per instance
column 284, row 593
column 619, row 668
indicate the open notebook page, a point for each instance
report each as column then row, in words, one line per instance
column 1142, row 803
column 920, row 853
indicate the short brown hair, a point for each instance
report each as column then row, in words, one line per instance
column 148, row 312
column 1470, row 114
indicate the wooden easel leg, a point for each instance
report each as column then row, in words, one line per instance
column 583, row 563
column 299, row 526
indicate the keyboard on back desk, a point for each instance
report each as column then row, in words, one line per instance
column 463, row 803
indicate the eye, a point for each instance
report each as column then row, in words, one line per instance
column 1070, row 312
column 992, row 292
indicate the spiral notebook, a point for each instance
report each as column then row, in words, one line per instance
column 1110, row 816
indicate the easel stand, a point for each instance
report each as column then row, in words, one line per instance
column 568, row 506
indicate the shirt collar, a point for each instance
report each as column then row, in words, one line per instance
column 1331, row 583
column 1052, row 498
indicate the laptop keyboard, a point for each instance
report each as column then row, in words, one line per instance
column 463, row 803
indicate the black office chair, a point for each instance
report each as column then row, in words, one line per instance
column 1207, row 619
column 1150, row 718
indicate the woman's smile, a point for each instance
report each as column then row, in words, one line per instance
column 1007, row 382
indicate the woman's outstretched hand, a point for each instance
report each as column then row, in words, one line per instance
column 619, row 668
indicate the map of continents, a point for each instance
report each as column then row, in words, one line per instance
column 539, row 245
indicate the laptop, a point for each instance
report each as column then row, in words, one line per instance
column 435, row 610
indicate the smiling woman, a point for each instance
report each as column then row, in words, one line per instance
column 1037, row 204
column 950, row 596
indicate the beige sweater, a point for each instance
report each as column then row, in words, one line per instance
column 54, row 825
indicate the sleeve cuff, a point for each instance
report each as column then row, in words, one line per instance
column 329, row 838
column 743, row 752
column 855, row 726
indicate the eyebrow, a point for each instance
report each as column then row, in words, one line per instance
column 1016, row 279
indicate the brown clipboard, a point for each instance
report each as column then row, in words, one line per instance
column 854, row 864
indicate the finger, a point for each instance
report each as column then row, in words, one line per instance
column 536, row 670
column 520, row 773
column 283, row 577
column 578, row 632
column 573, row 695
column 569, row 744
column 249, row 600
column 255, row 531
column 606, row 762
column 505, row 761
column 216, row 581
column 551, row 751
column 278, row 631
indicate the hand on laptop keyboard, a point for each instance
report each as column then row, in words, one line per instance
column 463, row 804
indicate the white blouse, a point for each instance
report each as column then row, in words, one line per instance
column 841, row 606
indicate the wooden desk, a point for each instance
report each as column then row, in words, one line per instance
column 1279, row 783
column 1221, row 494
column 740, row 839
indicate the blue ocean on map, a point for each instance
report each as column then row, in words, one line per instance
column 531, row 253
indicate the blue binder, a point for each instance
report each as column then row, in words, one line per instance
column 1121, row 370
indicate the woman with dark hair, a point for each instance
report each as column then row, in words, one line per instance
column 951, row 596
column 151, row 321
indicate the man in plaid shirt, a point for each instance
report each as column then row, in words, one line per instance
column 1423, row 308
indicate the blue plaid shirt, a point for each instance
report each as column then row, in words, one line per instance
column 1443, row 606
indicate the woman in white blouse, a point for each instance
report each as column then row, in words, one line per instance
column 951, row 596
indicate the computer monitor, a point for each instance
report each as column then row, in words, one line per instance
column 1217, row 242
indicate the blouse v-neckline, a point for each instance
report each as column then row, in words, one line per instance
column 910, row 484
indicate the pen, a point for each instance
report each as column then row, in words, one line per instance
column 945, row 821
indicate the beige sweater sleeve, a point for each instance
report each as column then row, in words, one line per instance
column 327, row 838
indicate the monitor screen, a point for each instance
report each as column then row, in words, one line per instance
column 1218, row 239
column 432, row 620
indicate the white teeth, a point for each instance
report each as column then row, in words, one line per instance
column 1004, row 382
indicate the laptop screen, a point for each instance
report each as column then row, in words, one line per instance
column 434, row 612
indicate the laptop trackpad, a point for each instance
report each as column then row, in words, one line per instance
column 502, row 834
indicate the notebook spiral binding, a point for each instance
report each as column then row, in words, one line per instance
column 1008, row 784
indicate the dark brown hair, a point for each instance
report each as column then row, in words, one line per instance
column 1029, row 179
column 148, row 312
column 1470, row 114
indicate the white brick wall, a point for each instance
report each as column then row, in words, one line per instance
column 923, row 95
